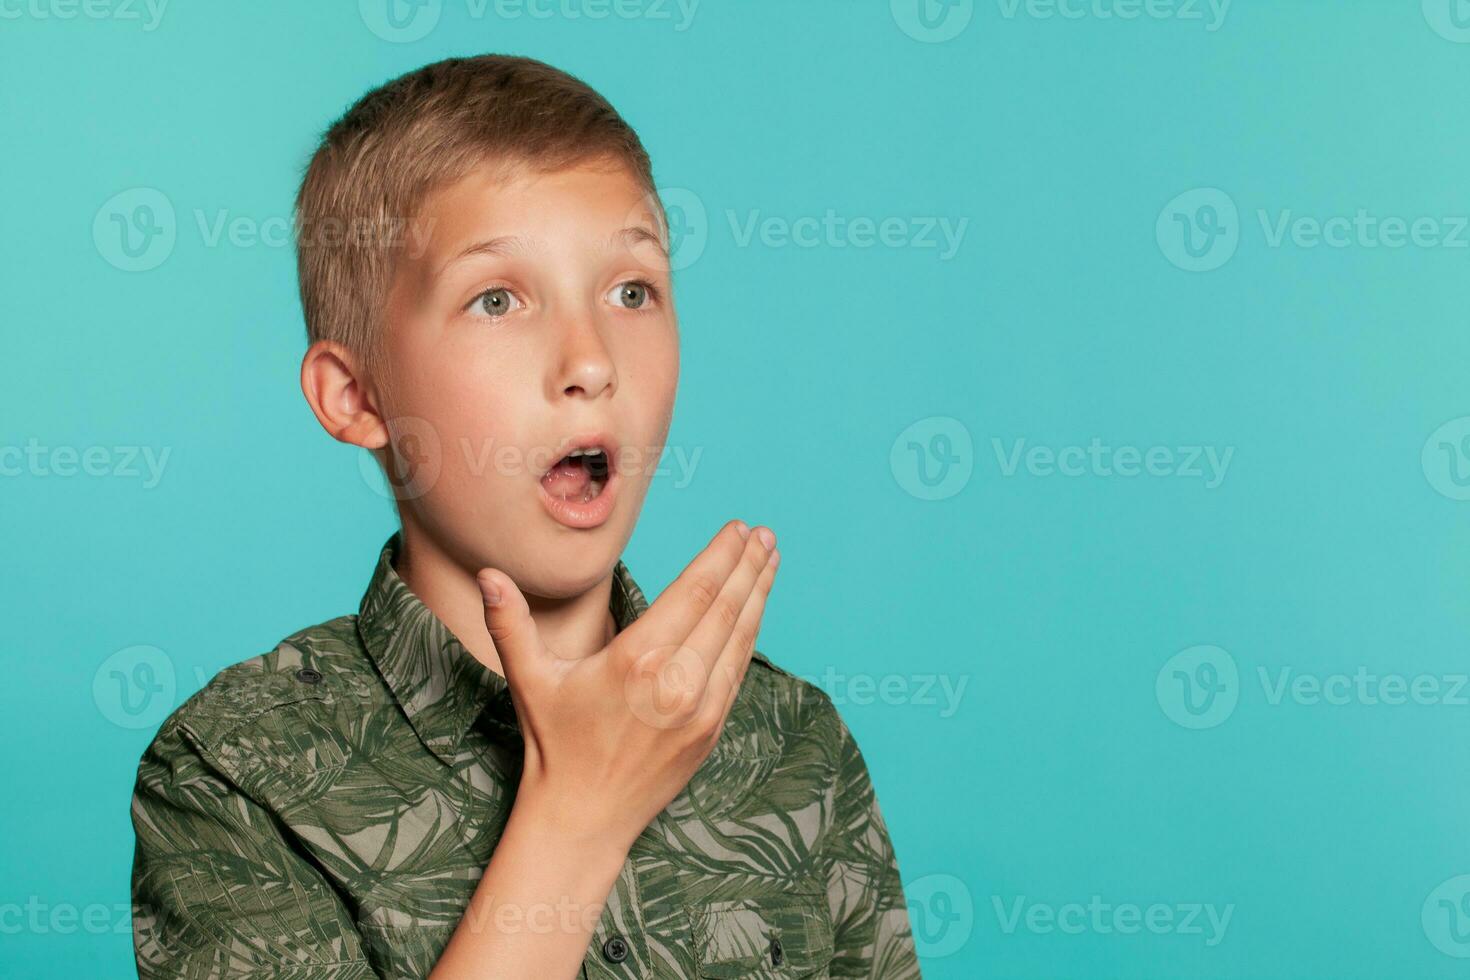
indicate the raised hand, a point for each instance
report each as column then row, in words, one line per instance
column 610, row 739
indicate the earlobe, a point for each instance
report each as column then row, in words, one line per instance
column 332, row 382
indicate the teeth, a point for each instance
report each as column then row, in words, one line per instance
column 585, row 452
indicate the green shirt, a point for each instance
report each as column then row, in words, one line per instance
column 326, row 810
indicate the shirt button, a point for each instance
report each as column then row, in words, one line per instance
column 308, row 676
column 615, row 950
column 777, row 954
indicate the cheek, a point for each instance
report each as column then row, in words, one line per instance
column 653, row 376
column 465, row 411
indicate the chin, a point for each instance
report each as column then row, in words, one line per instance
column 568, row 566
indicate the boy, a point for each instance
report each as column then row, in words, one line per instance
column 508, row 763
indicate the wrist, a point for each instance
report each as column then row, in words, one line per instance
column 576, row 823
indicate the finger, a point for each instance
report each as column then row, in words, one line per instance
column 674, row 614
column 508, row 618
column 729, row 671
column 713, row 631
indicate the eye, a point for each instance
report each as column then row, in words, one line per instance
column 495, row 302
column 634, row 294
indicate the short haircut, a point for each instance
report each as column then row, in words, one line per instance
column 414, row 134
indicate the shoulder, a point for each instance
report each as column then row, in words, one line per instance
column 790, row 706
column 319, row 667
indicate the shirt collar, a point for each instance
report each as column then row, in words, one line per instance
column 439, row 683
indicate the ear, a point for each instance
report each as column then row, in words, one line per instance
column 335, row 387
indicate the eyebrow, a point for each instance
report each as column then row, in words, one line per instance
column 507, row 245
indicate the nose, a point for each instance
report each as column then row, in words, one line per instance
column 585, row 366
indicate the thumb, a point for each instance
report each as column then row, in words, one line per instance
column 508, row 618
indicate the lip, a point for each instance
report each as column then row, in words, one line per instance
column 574, row 513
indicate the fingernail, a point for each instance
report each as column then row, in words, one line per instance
column 768, row 537
column 775, row 558
column 489, row 590
column 743, row 528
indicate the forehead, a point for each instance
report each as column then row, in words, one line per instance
column 576, row 207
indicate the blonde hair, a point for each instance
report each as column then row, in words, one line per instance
column 420, row 131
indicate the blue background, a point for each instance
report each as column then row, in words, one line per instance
column 1335, row 543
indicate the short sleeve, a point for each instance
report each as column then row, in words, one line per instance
column 872, row 932
column 217, row 890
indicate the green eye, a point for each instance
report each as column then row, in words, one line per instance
column 633, row 295
column 495, row 302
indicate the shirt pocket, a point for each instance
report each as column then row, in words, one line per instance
column 777, row 936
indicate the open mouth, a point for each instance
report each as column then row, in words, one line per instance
column 580, row 476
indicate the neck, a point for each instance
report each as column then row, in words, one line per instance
column 572, row 627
